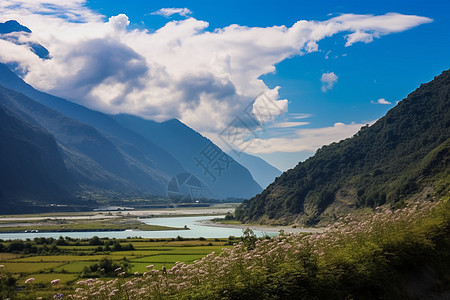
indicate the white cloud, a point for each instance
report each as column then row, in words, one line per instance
column 167, row 12
column 328, row 81
column 308, row 139
column 367, row 27
column 288, row 124
column 381, row 101
column 299, row 116
column 204, row 78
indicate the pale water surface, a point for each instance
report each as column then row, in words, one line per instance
column 193, row 223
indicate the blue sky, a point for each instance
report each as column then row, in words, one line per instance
column 324, row 94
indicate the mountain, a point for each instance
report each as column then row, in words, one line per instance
column 11, row 30
column 150, row 158
column 404, row 155
column 128, row 141
column 13, row 26
column 90, row 157
column 197, row 154
column 263, row 172
column 32, row 168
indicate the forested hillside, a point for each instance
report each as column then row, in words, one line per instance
column 403, row 155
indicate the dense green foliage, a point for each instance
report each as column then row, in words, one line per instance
column 405, row 153
column 392, row 254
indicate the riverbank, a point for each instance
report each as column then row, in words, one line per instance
column 253, row 227
column 111, row 214
column 108, row 220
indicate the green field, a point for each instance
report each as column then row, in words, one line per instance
column 82, row 224
column 70, row 264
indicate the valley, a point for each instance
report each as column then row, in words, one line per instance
column 224, row 151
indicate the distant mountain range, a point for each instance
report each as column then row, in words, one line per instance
column 405, row 155
column 122, row 153
column 56, row 151
column 263, row 172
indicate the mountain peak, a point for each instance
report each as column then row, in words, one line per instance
column 13, row 26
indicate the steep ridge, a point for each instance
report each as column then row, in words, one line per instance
column 91, row 158
column 405, row 154
column 32, row 168
column 143, row 151
column 225, row 176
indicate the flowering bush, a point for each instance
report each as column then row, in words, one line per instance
column 357, row 257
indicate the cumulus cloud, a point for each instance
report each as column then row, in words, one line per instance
column 167, row 12
column 381, row 101
column 205, row 78
column 328, row 81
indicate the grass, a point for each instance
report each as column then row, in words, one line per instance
column 142, row 267
column 89, row 225
column 68, row 267
column 26, row 268
column 169, row 258
column 72, row 267
column 59, row 258
column 47, row 278
column 7, row 256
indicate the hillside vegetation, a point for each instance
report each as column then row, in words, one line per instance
column 404, row 155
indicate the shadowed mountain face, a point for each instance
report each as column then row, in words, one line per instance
column 32, row 168
column 90, row 157
column 405, row 154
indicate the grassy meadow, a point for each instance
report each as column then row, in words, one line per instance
column 70, row 262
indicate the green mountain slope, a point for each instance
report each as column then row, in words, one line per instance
column 405, row 154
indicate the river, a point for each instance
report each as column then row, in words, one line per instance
column 196, row 230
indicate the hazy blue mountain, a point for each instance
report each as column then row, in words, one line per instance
column 263, row 172
column 12, row 26
column 224, row 176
